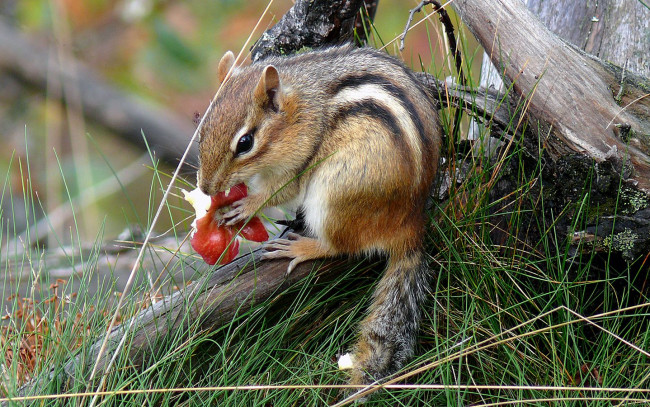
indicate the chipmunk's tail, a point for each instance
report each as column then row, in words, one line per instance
column 389, row 332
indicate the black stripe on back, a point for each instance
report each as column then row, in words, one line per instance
column 367, row 108
column 408, row 72
column 356, row 80
column 373, row 110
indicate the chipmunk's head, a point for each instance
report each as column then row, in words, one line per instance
column 248, row 128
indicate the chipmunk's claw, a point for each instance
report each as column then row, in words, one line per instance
column 236, row 214
column 282, row 249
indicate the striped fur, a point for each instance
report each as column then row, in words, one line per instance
column 350, row 137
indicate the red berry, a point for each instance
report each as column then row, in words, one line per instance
column 211, row 240
column 236, row 193
column 255, row 230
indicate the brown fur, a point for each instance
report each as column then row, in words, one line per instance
column 360, row 165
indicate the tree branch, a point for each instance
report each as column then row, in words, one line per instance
column 311, row 23
column 206, row 304
column 589, row 122
column 569, row 94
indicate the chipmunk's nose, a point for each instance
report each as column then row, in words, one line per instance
column 205, row 189
column 210, row 188
column 203, row 185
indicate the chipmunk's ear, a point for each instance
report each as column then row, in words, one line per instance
column 268, row 88
column 226, row 63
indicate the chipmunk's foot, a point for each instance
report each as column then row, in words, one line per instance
column 296, row 247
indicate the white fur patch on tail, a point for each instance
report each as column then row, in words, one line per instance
column 346, row 362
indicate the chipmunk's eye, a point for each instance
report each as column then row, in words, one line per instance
column 244, row 144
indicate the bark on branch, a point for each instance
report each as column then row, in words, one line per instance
column 313, row 24
column 571, row 95
column 206, row 304
column 588, row 120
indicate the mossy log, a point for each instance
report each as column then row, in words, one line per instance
column 588, row 124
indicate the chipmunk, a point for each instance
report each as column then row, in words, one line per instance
column 350, row 138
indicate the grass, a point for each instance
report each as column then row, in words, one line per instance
column 529, row 325
column 503, row 327
column 506, row 324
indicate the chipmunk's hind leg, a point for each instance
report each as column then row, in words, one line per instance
column 388, row 333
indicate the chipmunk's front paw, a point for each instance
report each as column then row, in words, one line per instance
column 242, row 210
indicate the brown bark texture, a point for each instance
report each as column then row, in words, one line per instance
column 205, row 304
column 588, row 121
column 315, row 23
